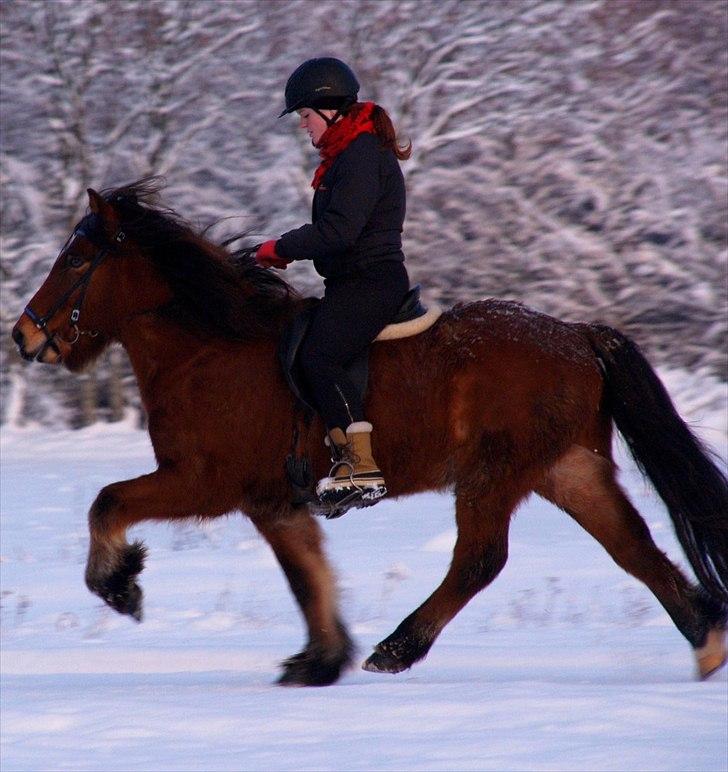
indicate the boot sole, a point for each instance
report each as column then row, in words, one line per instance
column 342, row 486
column 355, row 499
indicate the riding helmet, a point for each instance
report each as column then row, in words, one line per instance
column 325, row 83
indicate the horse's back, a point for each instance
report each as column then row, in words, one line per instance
column 528, row 373
column 514, row 330
column 489, row 378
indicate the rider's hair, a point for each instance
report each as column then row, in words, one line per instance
column 383, row 127
column 387, row 134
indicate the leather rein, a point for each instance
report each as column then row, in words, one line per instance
column 41, row 321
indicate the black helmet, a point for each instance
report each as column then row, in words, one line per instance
column 325, row 83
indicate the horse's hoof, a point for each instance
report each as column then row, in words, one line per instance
column 134, row 606
column 306, row 669
column 382, row 662
column 319, row 664
column 711, row 656
column 127, row 601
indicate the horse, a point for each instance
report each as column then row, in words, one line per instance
column 493, row 402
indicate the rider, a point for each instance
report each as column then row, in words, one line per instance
column 355, row 243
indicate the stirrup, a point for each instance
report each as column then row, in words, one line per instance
column 370, row 486
column 338, row 494
column 354, row 500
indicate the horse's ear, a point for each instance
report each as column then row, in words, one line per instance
column 99, row 206
column 95, row 202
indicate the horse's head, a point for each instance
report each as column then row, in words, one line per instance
column 128, row 257
column 98, row 279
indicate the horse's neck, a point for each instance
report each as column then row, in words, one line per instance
column 162, row 351
column 210, row 396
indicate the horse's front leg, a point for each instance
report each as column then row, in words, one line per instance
column 113, row 564
column 296, row 541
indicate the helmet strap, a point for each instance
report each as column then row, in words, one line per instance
column 329, row 121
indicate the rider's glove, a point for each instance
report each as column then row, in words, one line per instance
column 267, row 256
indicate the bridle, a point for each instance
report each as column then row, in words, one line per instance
column 84, row 228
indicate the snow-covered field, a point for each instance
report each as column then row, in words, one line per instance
column 564, row 663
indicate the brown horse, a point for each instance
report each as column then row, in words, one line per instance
column 494, row 401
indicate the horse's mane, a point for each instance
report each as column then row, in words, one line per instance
column 215, row 289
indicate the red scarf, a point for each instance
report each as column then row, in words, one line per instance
column 338, row 136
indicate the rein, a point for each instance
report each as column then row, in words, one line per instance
column 41, row 322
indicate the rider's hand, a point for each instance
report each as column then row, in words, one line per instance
column 267, row 256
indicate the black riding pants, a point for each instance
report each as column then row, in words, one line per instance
column 354, row 310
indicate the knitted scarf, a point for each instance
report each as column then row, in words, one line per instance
column 337, row 137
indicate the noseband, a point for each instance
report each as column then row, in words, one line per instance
column 105, row 246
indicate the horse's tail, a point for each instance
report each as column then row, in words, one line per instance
column 681, row 469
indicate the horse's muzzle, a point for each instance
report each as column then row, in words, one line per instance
column 19, row 339
column 33, row 346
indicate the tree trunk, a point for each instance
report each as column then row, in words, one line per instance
column 116, row 386
column 89, row 389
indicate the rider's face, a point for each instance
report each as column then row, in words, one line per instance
column 313, row 123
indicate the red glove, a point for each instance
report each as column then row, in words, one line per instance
column 267, row 257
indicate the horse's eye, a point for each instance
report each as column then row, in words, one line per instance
column 75, row 261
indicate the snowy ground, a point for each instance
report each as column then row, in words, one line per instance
column 565, row 663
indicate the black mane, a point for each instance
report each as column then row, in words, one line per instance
column 215, row 289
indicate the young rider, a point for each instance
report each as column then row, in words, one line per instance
column 355, row 243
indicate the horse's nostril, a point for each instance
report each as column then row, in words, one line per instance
column 18, row 337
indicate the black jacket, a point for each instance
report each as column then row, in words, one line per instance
column 357, row 216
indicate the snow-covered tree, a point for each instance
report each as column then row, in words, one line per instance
column 571, row 155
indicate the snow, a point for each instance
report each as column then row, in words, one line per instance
column 564, row 663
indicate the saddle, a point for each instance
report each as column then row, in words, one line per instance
column 411, row 319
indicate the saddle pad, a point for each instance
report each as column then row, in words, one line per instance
column 411, row 327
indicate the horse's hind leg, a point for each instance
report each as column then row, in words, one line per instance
column 583, row 484
column 481, row 551
column 297, row 543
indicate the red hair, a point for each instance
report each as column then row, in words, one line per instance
column 384, row 129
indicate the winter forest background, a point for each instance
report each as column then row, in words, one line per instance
column 570, row 154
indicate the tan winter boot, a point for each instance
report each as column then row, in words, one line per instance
column 355, row 475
